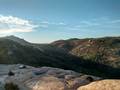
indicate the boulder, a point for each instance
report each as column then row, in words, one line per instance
column 46, row 83
column 102, row 85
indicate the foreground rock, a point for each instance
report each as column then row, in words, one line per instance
column 102, row 85
column 57, row 79
column 46, row 83
column 44, row 78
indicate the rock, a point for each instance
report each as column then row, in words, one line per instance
column 47, row 78
column 57, row 79
column 46, row 83
column 56, row 72
column 102, row 85
column 76, row 82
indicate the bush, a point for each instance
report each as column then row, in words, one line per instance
column 10, row 73
column 11, row 86
column 90, row 79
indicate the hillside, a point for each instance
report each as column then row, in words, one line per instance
column 13, row 52
column 101, row 50
column 69, row 44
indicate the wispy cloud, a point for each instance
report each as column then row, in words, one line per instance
column 98, row 24
column 115, row 21
column 47, row 23
column 61, row 23
column 11, row 24
column 89, row 23
column 43, row 26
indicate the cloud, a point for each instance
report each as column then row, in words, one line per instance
column 61, row 23
column 45, row 22
column 52, row 23
column 115, row 21
column 10, row 24
column 89, row 23
column 96, row 25
column 43, row 26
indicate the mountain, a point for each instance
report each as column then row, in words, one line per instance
column 14, row 50
column 42, row 55
column 18, row 40
column 67, row 44
column 101, row 50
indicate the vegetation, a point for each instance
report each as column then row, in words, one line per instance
column 10, row 73
column 11, row 86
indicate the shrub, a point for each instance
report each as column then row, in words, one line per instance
column 11, row 86
column 10, row 73
column 90, row 79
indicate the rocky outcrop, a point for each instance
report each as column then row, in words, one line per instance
column 48, row 78
column 102, row 85
column 46, row 83
column 58, row 79
column 44, row 78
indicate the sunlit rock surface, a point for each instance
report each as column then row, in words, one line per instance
column 44, row 78
column 102, row 85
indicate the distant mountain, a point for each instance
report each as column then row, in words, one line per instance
column 12, row 51
column 67, row 44
column 101, row 50
column 41, row 47
column 18, row 40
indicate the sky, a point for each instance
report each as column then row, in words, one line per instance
column 44, row 21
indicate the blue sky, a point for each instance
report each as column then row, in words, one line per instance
column 44, row 21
